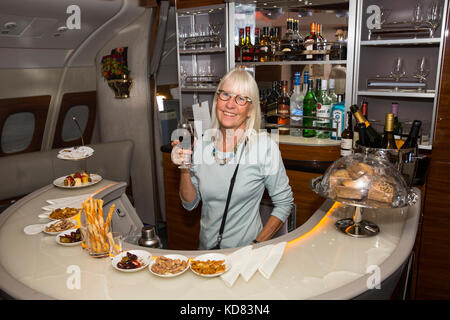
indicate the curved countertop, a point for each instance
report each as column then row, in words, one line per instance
column 319, row 262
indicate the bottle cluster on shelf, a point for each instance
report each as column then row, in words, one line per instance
column 270, row 45
column 308, row 111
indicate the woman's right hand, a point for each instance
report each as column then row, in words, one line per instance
column 179, row 154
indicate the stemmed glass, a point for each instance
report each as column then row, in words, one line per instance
column 399, row 71
column 417, row 19
column 434, row 17
column 422, row 70
column 215, row 29
column 186, row 134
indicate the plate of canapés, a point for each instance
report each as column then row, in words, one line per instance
column 75, row 153
column 69, row 238
column 169, row 265
column 210, row 265
column 77, row 180
column 58, row 226
column 63, row 213
column 131, row 260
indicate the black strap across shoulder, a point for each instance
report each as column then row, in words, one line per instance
column 230, row 190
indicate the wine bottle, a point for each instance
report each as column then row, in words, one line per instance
column 365, row 109
column 362, row 134
column 411, row 141
column 309, row 110
column 257, row 46
column 347, row 138
column 398, row 130
column 265, row 45
column 247, row 49
column 310, row 42
column 373, row 138
column 283, row 107
column 388, row 141
column 238, row 48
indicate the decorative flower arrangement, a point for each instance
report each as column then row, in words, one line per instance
column 115, row 65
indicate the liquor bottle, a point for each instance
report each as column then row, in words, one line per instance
column 310, row 42
column 362, row 135
column 319, row 42
column 323, row 111
column 347, row 138
column 247, row 49
column 398, row 129
column 285, row 42
column 257, row 46
column 309, row 110
column 297, row 40
column 338, row 116
column 265, row 45
column 373, row 138
column 388, row 141
column 411, row 141
column 237, row 50
column 331, row 91
column 283, row 107
column 274, row 44
column 305, row 82
column 296, row 107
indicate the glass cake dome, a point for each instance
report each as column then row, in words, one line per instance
column 364, row 180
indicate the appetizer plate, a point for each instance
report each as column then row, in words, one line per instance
column 173, row 257
column 75, row 153
column 62, row 234
column 144, row 257
column 212, row 256
column 50, row 212
column 57, row 232
column 94, row 177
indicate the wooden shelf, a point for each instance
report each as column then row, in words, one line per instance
column 394, row 42
column 426, row 95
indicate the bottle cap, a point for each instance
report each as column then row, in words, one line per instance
column 389, row 122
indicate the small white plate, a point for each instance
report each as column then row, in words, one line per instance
column 50, row 212
column 212, row 256
column 95, row 178
column 144, row 257
column 33, row 229
column 57, row 232
column 77, row 153
column 71, row 244
column 173, row 257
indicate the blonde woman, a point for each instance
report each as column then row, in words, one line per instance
column 235, row 139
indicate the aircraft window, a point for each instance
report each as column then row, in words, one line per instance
column 70, row 131
column 17, row 132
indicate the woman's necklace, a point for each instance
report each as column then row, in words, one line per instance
column 228, row 155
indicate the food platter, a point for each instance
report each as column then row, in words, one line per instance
column 95, row 178
column 144, row 257
column 173, row 257
column 75, row 223
column 68, row 244
column 210, row 257
column 75, row 153
column 65, row 213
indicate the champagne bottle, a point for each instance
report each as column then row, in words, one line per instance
column 309, row 110
column 362, row 134
column 283, row 107
column 347, row 138
column 373, row 138
column 388, row 141
column 411, row 141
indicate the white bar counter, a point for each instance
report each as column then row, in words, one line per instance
column 319, row 261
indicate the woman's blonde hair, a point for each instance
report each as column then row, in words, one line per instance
column 243, row 84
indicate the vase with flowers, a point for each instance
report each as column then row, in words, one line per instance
column 115, row 71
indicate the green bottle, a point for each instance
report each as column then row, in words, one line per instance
column 309, row 110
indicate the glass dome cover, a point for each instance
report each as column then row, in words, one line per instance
column 364, row 180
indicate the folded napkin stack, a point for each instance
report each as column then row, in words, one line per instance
column 246, row 261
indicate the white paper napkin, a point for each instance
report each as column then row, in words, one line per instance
column 256, row 258
column 272, row 260
column 238, row 260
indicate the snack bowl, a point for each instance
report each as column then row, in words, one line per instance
column 58, row 232
column 173, row 257
column 210, row 257
column 68, row 244
column 144, row 258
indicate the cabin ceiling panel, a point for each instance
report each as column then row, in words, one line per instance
column 37, row 22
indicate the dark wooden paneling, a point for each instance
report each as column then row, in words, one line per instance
column 38, row 106
column 68, row 101
column 183, row 226
column 184, row 4
column 295, row 152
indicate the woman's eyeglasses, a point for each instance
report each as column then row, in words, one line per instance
column 240, row 100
